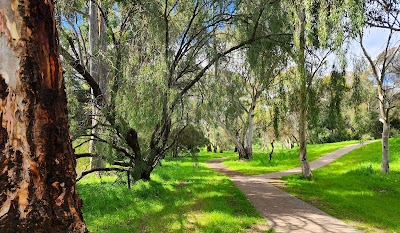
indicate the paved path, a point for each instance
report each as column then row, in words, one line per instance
column 284, row 212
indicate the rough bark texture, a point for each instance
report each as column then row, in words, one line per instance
column 37, row 164
column 303, row 79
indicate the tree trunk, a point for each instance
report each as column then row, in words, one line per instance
column 249, row 133
column 385, row 131
column 242, row 152
column 209, row 149
column 37, row 163
column 306, row 170
column 385, row 148
column 95, row 162
column 104, row 70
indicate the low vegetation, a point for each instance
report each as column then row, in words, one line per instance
column 183, row 196
column 282, row 159
column 354, row 190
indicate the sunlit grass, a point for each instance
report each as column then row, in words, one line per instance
column 282, row 158
column 181, row 197
column 82, row 164
column 354, row 190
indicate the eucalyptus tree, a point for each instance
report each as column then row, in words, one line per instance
column 231, row 103
column 37, row 177
column 161, row 49
column 235, row 87
column 362, row 100
column 385, row 14
column 240, row 88
column 317, row 24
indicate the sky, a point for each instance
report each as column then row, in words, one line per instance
column 374, row 42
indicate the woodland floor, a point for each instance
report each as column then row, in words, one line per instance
column 185, row 195
column 284, row 212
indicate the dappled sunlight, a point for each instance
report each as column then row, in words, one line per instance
column 178, row 196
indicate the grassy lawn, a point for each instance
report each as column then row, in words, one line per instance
column 354, row 190
column 181, row 197
column 282, row 159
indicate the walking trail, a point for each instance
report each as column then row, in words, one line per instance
column 284, row 212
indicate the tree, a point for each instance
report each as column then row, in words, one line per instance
column 317, row 25
column 148, row 96
column 37, row 164
column 233, row 101
column 384, row 13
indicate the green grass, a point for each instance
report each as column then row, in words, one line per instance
column 181, row 197
column 82, row 164
column 354, row 190
column 282, row 159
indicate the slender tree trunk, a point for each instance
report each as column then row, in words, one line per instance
column 306, row 170
column 385, row 131
column 249, row 134
column 104, row 70
column 95, row 162
column 37, row 163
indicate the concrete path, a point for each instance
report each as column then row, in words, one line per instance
column 284, row 212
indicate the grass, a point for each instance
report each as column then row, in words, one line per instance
column 282, row 159
column 82, row 164
column 181, row 197
column 354, row 190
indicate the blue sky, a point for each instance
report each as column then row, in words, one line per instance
column 374, row 42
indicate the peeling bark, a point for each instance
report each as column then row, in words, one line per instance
column 37, row 164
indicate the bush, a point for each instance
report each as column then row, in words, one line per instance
column 188, row 140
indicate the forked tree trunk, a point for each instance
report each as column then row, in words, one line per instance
column 250, row 122
column 306, row 170
column 37, row 163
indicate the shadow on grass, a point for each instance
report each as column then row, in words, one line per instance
column 179, row 198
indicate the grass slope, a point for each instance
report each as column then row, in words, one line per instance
column 181, row 197
column 282, row 159
column 354, row 190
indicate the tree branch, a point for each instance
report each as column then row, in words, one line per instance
column 105, row 169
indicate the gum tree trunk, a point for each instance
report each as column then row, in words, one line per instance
column 385, row 106
column 95, row 162
column 249, row 133
column 37, row 164
column 384, row 118
column 305, row 166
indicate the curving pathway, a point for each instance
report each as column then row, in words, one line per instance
column 284, row 212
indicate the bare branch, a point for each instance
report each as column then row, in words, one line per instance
column 105, row 169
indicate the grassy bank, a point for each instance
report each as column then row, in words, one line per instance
column 282, row 159
column 354, row 190
column 183, row 196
